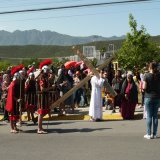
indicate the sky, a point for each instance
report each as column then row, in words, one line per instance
column 106, row 21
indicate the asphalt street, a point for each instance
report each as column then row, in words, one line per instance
column 79, row 140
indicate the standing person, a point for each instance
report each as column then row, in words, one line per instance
column 65, row 82
column 60, row 70
column 104, row 89
column 21, row 88
column 30, row 89
column 78, row 93
column 5, row 85
column 43, row 97
column 66, row 86
column 117, row 84
column 13, row 99
column 151, row 86
column 142, row 95
column 95, row 108
column 129, row 94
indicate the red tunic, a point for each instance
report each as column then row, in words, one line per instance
column 11, row 104
column 10, row 98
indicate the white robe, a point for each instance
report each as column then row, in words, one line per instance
column 95, row 108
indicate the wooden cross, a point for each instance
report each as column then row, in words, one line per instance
column 81, row 83
column 88, row 64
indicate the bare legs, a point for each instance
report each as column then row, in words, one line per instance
column 40, row 128
column 13, row 127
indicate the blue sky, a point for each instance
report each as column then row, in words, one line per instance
column 109, row 20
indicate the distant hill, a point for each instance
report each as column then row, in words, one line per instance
column 48, row 51
column 36, row 37
column 43, row 51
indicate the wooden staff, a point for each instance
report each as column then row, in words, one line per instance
column 34, row 99
column 20, row 103
column 80, row 84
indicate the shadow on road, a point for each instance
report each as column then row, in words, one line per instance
column 51, row 123
column 85, row 130
column 55, row 130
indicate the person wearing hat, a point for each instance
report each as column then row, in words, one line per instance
column 30, row 89
column 14, row 98
column 43, row 97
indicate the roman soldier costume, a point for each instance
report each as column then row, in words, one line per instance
column 43, row 96
column 13, row 98
column 30, row 90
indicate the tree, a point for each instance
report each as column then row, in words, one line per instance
column 4, row 65
column 94, row 62
column 27, row 62
column 137, row 49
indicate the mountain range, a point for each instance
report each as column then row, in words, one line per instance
column 36, row 37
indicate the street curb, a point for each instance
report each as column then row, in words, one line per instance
column 77, row 117
column 106, row 116
column 116, row 116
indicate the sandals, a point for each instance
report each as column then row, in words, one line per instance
column 13, row 131
column 92, row 120
column 41, row 132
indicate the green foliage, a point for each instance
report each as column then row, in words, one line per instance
column 94, row 62
column 4, row 65
column 57, row 63
column 33, row 51
column 27, row 62
column 137, row 49
column 102, row 51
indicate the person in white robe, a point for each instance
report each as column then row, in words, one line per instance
column 95, row 108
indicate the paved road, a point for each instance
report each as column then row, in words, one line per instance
column 80, row 140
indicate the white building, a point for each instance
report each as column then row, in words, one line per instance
column 90, row 52
column 74, row 58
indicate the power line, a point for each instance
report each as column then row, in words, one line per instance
column 74, row 6
column 78, row 15
column 33, row 4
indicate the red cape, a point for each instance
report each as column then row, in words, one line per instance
column 10, row 98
